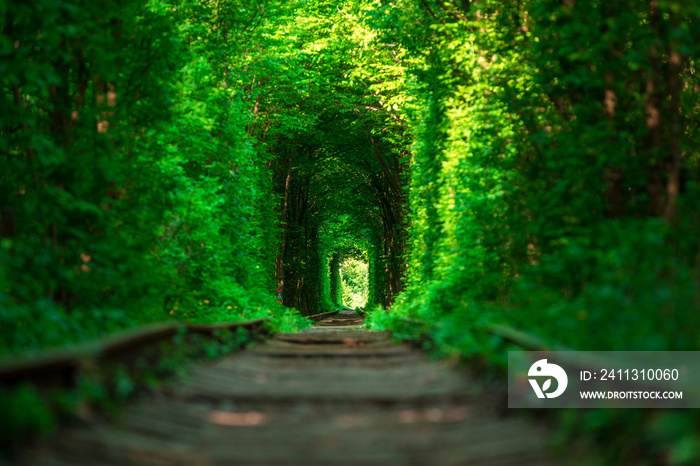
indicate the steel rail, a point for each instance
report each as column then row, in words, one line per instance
column 64, row 362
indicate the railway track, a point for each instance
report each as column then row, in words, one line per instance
column 63, row 366
column 330, row 395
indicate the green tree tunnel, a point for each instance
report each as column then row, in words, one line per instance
column 491, row 160
column 533, row 162
column 164, row 155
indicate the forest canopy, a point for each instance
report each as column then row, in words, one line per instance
column 531, row 162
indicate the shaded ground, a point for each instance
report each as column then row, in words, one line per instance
column 330, row 395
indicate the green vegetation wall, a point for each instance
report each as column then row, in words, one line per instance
column 133, row 184
column 554, row 178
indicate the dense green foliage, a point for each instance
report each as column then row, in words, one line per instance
column 555, row 186
column 532, row 163
column 133, row 186
column 555, row 182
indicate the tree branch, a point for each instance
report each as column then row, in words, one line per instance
column 428, row 8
